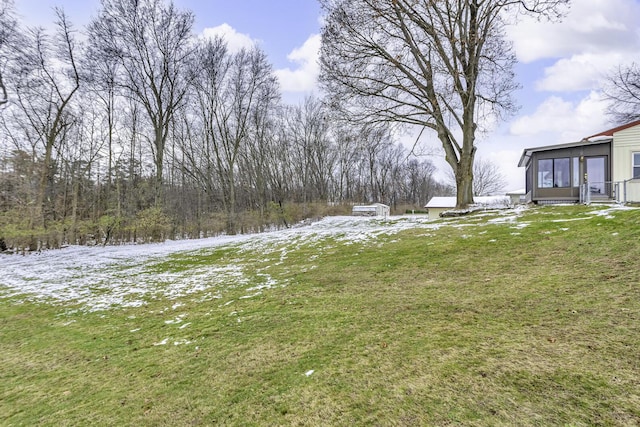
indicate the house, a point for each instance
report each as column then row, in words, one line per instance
column 439, row 205
column 604, row 166
column 376, row 209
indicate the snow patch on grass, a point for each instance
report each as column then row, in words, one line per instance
column 103, row 278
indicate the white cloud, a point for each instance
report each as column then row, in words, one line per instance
column 304, row 77
column 592, row 26
column 570, row 121
column 235, row 40
column 579, row 72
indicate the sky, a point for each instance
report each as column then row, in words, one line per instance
column 562, row 66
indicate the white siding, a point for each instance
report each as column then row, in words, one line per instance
column 434, row 213
column 625, row 143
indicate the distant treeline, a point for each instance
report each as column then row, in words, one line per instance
column 146, row 132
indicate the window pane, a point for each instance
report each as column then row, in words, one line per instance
column 545, row 173
column 636, row 165
column 576, row 172
column 561, row 173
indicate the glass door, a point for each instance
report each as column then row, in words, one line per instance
column 596, row 175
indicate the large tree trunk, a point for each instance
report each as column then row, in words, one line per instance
column 464, row 183
column 464, row 171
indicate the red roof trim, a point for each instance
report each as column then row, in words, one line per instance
column 610, row 132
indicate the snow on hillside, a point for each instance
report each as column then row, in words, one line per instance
column 99, row 278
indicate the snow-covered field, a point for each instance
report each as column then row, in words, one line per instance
column 100, row 278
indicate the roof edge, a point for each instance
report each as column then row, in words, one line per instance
column 527, row 152
column 610, row 132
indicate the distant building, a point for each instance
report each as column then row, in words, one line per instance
column 437, row 205
column 376, row 209
column 517, row 196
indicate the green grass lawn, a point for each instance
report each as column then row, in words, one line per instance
column 482, row 322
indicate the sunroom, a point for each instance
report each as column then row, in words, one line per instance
column 568, row 173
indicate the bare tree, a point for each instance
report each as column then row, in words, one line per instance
column 283, row 174
column 440, row 65
column 101, row 77
column 150, row 41
column 79, row 153
column 308, row 130
column 4, row 96
column 258, row 160
column 7, row 29
column 46, row 76
column 378, row 143
column 421, row 185
column 231, row 90
column 487, row 178
column 623, row 92
column 348, row 149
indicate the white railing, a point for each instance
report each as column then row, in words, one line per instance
column 609, row 190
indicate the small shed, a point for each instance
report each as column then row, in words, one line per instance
column 517, row 196
column 376, row 209
column 437, row 205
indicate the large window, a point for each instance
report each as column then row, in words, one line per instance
column 545, row 173
column 636, row 165
column 554, row 173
